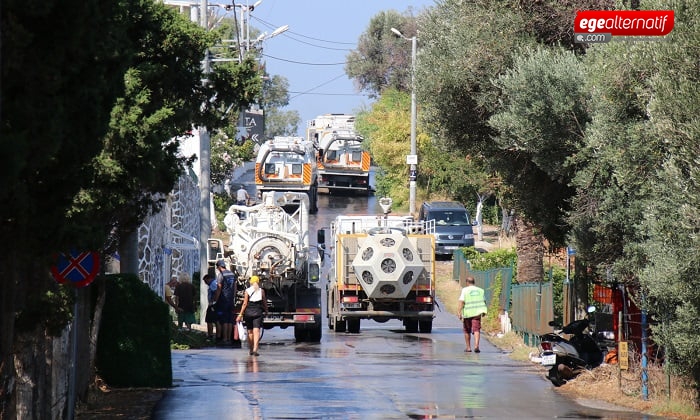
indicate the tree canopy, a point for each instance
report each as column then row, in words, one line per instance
column 91, row 100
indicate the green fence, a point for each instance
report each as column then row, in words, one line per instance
column 533, row 308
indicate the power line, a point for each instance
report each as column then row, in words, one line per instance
column 305, row 63
column 329, row 94
column 318, row 86
column 270, row 25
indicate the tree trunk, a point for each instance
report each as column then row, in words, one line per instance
column 101, row 286
column 529, row 244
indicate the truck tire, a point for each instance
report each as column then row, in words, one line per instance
column 425, row 326
column 313, row 199
column 340, row 325
column 314, row 334
column 411, row 325
column 353, row 325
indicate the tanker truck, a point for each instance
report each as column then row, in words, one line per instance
column 381, row 267
column 288, row 164
column 269, row 242
column 342, row 164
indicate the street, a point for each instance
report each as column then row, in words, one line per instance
column 380, row 373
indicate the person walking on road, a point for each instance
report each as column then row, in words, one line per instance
column 253, row 310
column 472, row 307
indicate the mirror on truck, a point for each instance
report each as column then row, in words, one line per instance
column 321, row 243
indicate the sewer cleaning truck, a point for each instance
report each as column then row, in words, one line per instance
column 269, row 242
column 288, row 164
column 342, row 162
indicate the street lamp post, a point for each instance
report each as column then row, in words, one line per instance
column 412, row 159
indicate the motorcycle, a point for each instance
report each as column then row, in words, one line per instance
column 567, row 358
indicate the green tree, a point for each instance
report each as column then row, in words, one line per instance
column 91, row 101
column 382, row 60
column 385, row 127
column 540, row 123
column 671, row 275
column 275, row 97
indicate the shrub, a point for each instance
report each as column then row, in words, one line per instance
column 133, row 347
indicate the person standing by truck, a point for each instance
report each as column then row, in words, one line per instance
column 242, row 196
column 253, row 311
column 472, row 307
column 224, row 298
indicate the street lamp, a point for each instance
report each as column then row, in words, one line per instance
column 411, row 159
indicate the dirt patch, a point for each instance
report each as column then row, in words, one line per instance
column 128, row 403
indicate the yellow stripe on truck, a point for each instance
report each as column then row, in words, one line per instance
column 307, row 174
column 365, row 161
column 258, row 180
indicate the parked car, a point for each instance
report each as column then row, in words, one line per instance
column 453, row 225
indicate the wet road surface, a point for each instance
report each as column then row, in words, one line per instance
column 380, row 373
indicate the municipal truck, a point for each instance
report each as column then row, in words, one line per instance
column 342, row 162
column 267, row 241
column 288, row 164
column 381, row 267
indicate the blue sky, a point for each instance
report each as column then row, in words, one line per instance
column 311, row 53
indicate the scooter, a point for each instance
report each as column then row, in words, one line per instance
column 567, row 358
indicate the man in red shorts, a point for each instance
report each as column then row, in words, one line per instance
column 472, row 307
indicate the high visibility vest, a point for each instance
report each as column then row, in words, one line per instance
column 474, row 303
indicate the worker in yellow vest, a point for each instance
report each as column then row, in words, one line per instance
column 472, row 307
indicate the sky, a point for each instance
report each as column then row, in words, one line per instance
column 311, row 53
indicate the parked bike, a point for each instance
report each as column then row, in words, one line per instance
column 567, row 358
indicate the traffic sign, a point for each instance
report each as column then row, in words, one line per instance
column 76, row 268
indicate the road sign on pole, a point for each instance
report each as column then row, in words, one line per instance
column 76, row 268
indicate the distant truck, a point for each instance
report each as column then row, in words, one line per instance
column 342, row 162
column 382, row 267
column 288, row 164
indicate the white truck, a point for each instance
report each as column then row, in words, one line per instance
column 273, row 244
column 288, row 164
column 342, row 162
column 382, row 267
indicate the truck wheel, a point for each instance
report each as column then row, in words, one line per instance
column 313, row 200
column 314, row 334
column 354, row 325
column 411, row 325
column 340, row 325
column 425, row 325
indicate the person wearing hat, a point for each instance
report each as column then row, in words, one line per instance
column 252, row 313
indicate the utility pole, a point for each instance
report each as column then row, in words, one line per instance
column 411, row 159
column 204, row 180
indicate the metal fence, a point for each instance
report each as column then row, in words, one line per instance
column 533, row 308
